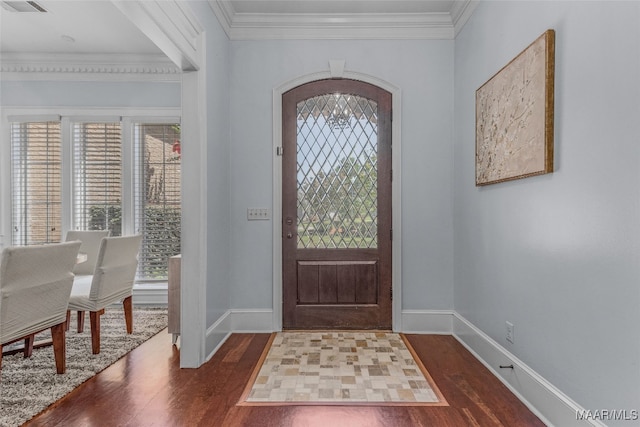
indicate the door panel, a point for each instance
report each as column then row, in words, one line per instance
column 337, row 282
column 336, row 206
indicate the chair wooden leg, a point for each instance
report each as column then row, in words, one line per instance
column 127, row 303
column 68, row 322
column 80, row 321
column 94, row 318
column 28, row 345
column 59, row 347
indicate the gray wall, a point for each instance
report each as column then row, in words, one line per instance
column 558, row 255
column 36, row 93
column 424, row 72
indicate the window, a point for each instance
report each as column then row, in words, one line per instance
column 97, row 172
column 157, row 196
column 123, row 176
column 36, row 183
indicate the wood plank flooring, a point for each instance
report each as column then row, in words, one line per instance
column 147, row 388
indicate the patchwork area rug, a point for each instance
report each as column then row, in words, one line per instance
column 340, row 368
column 28, row 386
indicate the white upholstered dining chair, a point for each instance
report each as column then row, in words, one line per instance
column 90, row 246
column 112, row 281
column 35, row 283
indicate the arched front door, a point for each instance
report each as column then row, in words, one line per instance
column 336, row 206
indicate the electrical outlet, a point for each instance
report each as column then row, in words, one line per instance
column 510, row 332
column 254, row 214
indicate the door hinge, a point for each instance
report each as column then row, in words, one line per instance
column 391, row 174
column 279, row 151
column 391, row 234
column 391, row 293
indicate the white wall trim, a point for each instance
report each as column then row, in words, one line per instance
column 333, row 26
column 251, row 320
column 165, row 114
column 224, row 14
column 552, row 406
column 396, row 202
column 91, row 67
column 195, row 340
column 461, row 12
column 340, row 27
column 438, row 322
column 414, row 321
column 217, row 334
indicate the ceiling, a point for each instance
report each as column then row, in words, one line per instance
column 80, row 27
column 99, row 27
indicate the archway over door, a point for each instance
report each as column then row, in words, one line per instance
column 336, row 205
column 396, row 304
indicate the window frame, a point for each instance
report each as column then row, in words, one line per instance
column 127, row 117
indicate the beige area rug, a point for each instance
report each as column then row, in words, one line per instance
column 340, row 368
column 28, row 386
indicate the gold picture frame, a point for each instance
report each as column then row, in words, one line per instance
column 514, row 116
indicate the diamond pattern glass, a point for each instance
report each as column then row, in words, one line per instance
column 337, row 142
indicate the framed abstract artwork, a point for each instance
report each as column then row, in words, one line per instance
column 514, row 116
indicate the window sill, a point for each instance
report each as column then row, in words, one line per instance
column 150, row 294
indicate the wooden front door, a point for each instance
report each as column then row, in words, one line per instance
column 336, row 204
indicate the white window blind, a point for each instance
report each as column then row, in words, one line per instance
column 36, row 193
column 97, row 173
column 144, row 198
column 157, row 196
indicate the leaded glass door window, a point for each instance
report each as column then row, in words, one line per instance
column 337, row 206
column 337, row 146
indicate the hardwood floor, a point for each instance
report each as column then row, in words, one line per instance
column 147, row 388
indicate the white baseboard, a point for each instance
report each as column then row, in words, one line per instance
column 438, row 322
column 252, row 320
column 413, row 321
column 552, row 406
column 217, row 334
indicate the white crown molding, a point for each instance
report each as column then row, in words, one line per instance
column 87, row 67
column 343, row 26
column 328, row 26
column 461, row 11
column 224, row 12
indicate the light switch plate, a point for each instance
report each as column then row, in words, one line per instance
column 256, row 214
